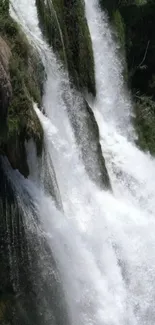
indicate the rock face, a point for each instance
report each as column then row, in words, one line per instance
column 5, row 84
column 21, row 83
column 21, row 78
column 65, row 26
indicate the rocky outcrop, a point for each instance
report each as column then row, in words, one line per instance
column 87, row 136
column 65, row 26
column 21, row 83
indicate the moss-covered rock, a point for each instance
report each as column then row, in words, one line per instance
column 145, row 122
column 64, row 24
column 4, row 7
column 120, row 27
column 25, row 293
column 25, row 75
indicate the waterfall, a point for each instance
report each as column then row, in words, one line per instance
column 102, row 243
column 112, row 101
column 126, row 164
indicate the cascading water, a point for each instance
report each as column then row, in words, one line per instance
column 126, row 164
column 103, row 244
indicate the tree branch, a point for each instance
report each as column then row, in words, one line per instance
column 145, row 54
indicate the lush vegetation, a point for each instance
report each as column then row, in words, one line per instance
column 135, row 23
column 26, row 77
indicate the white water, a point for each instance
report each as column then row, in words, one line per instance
column 104, row 244
column 131, row 171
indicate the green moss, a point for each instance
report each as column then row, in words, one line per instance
column 64, row 24
column 120, row 27
column 4, row 7
column 121, row 38
column 145, row 123
column 26, row 76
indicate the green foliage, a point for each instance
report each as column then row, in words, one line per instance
column 21, row 117
column 140, row 45
column 4, row 7
column 120, row 27
column 26, row 75
column 140, row 49
column 64, row 24
column 145, row 123
column 135, row 23
column 141, row 2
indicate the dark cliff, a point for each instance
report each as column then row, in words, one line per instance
column 135, row 23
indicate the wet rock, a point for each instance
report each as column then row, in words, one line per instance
column 5, row 84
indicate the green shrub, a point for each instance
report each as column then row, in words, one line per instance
column 145, row 123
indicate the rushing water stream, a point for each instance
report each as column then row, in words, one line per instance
column 103, row 243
